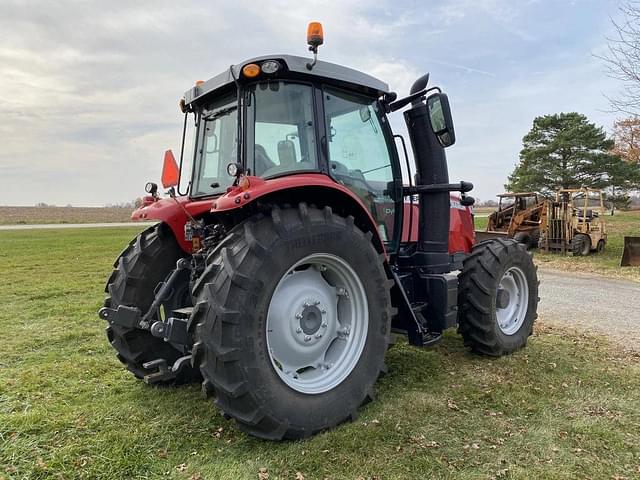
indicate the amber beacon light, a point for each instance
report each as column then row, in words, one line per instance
column 315, row 38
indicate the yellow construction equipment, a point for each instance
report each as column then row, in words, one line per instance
column 574, row 222
column 518, row 217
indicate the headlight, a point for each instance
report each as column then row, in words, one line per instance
column 234, row 169
column 151, row 188
column 270, row 66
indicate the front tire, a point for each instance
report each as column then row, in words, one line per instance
column 498, row 297
column 269, row 297
column 581, row 245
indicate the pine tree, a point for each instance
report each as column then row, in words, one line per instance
column 565, row 150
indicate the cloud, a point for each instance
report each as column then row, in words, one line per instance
column 89, row 91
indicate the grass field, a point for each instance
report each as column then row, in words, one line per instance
column 565, row 407
column 40, row 215
column 607, row 263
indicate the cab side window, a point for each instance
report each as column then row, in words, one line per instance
column 359, row 154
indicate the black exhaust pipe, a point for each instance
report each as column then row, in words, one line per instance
column 431, row 164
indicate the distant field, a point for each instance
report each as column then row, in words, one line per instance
column 565, row 407
column 483, row 210
column 39, row 215
column 607, row 263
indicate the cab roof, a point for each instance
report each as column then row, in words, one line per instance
column 294, row 68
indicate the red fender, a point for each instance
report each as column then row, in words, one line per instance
column 172, row 212
column 251, row 188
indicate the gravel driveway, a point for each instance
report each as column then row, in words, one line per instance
column 594, row 303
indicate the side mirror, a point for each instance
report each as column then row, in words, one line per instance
column 440, row 117
column 170, row 170
column 365, row 114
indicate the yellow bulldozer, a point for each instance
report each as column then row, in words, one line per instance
column 574, row 222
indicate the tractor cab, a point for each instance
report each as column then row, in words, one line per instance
column 272, row 117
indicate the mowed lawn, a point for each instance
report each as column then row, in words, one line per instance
column 568, row 406
column 608, row 263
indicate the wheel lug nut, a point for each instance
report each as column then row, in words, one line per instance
column 298, row 330
column 307, row 304
column 324, row 325
column 318, row 335
column 307, row 338
column 323, row 311
column 317, row 302
column 299, row 316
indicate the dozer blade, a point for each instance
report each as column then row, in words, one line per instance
column 631, row 253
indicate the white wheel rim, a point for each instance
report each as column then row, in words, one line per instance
column 317, row 323
column 511, row 317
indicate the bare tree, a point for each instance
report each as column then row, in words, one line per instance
column 626, row 135
column 623, row 58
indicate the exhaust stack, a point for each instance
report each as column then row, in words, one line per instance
column 431, row 164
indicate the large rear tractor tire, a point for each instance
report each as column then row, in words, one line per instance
column 146, row 261
column 498, row 297
column 292, row 322
column 581, row 245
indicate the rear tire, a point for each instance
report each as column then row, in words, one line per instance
column 581, row 245
column 146, row 261
column 232, row 322
column 491, row 323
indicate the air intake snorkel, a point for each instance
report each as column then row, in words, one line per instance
column 430, row 131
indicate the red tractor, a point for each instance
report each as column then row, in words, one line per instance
column 278, row 277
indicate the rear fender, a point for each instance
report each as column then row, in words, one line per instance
column 172, row 212
column 312, row 188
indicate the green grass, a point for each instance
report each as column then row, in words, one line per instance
column 565, row 407
column 608, row 263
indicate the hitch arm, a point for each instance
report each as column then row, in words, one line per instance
column 131, row 317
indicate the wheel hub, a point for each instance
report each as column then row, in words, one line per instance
column 502, row 298
column 317, row 323
column 311, row 318
column 512, row 300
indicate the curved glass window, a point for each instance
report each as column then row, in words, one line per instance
column 359, row 154
column 216, row 147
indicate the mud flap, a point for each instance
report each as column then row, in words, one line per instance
column 631, row 252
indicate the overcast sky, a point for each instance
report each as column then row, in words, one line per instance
column 89, row 90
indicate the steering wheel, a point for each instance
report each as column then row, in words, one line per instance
column 261, row 160
column 341, row 171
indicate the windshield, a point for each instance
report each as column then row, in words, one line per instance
column 216, row 147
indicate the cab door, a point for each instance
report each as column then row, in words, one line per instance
column 363, row 157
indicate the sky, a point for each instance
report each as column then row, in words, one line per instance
column 89, row 91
